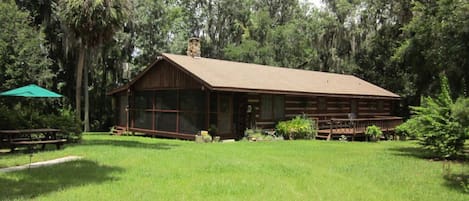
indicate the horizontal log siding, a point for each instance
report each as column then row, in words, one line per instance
column 372, row 108
column 165, row 76
column 309, row 105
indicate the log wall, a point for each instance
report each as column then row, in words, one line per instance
column 322, row 108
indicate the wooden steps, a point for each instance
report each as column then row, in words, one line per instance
column 117, row 130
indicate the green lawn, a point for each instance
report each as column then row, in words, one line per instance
column 138, row 168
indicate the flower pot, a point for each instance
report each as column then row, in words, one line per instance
column 373, row 138
column 199, row 139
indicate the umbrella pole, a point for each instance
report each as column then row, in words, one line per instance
column 31, row 113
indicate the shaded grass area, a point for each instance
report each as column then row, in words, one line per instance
column 38, row 181
column 138, row 168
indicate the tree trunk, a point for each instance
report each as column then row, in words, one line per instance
column 78, row 84
column 103, row 97
column 87, row 100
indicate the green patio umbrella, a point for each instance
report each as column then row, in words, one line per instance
column 31, row 90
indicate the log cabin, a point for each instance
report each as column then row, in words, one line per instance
column 177, row 96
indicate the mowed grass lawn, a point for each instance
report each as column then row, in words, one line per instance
column 139, row 168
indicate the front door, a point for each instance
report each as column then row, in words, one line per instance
column 225, row 114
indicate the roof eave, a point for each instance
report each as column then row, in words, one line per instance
column 232, row 89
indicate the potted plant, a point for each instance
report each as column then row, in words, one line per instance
column 373, row 132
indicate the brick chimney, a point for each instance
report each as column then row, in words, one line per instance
column 193, row 48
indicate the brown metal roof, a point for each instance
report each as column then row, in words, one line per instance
column 233, row 76
column 236, row 76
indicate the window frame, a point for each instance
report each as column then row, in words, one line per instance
column 272, row 116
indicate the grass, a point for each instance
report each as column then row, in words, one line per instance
column 138, row 168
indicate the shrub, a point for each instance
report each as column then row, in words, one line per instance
column 408, row 129
column 439, row 125
column 373, row 131
column 298, row 127
column 460, row 111
column 66, row 122
column 257, row 135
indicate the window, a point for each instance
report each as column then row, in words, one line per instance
column 373, row 105
column 380, row 105
column 354, row 107
column 266, row 107
column 279, row 109
column 322, row 104
column 272, row 107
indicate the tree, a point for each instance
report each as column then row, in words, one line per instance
column 23, row 57
column 93, row 23
column 439, row 123
column 437, row 40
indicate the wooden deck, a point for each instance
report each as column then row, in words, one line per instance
column 356, row 127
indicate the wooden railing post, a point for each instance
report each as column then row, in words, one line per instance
column 331, row 127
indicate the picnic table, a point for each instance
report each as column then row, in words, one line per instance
column 31, row 137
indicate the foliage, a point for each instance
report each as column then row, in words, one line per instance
column 257, row 135
column 92, row 23
column 297, row 128
column 23, row 117
column 436, row 123
column 460, row 111
column 408, row 129
column 23, row 57
column 437, row 42
column 399, row 45
column 66, row 122
column 374, row 131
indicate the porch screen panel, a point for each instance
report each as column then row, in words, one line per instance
column 191, row 123
column 143, row 100
column 143, row 103
column 166, row 100
column 192, row 108
column 143, row 119
column 166, row 121
column 123, row 101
